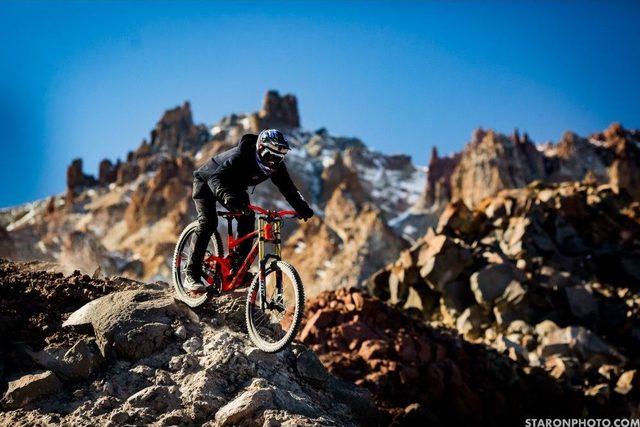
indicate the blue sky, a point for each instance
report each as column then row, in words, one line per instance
column 91, row 79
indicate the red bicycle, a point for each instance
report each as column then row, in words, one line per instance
column 275, row 297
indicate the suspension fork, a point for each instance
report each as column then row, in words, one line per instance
column 268, row 231
column 278, row 244
column 261, row 270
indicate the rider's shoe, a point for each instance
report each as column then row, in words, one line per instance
column 191, row 284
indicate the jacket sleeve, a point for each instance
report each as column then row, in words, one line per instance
column 283, row 181
column 221, row 181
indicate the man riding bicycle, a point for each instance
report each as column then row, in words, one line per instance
column 225, row 178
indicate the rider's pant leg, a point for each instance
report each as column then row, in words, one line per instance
column 207, row 223
column 246, row 224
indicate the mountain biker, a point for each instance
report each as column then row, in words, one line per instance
column 225, row 178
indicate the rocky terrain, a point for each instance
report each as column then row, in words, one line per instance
column 134, row 356
column 421, row 375
column 503, row 283
column 546, row 274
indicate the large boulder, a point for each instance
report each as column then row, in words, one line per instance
column 31, row 387
column 257, row 397
column 491, row 282
column 77, row 363
column 512, row 305
column 577, row 341
column 581, row 302
column 132, row 324
column 458, row 219
column 442, row 259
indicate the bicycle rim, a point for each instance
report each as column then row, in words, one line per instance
column 274, row 322
column 181, row 255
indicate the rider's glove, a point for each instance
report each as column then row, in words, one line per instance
column 304, row 212
column 235, row 204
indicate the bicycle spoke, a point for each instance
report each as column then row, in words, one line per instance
column 274, row 322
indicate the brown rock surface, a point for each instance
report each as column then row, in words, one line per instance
column 176, row 133
column 349, row 244
column 277, row 112
column 404, row 362
column 492, row 162
column 565, row 252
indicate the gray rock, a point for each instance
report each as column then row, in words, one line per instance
column 82, row 316
column 310, row 367
column 252, row 400
column 79, row 362
column 457, row 296
column 576, row 341
column 192, row 345
column 491, row 282
column 31, row 387
column 132, row 324
column 442, row 259
column 421, row 298
column 181, row 332
column 545, row 328
column 157, row 398
column 512, row 305
column 581, row 302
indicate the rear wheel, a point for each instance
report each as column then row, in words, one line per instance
column 273, row 315
column 181, row 256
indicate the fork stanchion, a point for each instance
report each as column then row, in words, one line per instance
column 276, row 235
column 261, row 247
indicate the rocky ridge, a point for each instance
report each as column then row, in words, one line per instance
column 127, row 220
column 135, row 356
column 546, row 274
column 492, row 161
column 425, row 375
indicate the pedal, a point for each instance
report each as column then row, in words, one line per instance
column 213, row 291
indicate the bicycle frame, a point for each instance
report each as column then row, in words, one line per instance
column 268, row 230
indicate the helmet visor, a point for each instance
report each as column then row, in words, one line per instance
column 271, row 159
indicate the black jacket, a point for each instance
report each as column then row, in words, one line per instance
column 233, row 171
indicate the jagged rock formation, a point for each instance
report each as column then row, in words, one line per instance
column 547, row 274
column 438, row 188
column 422, row 376
column 77, row 180
column 280, row 112
column 347, row 245
column 108, row 172
column 176, row 133
column 127, row 220
column 147, row 359
column 492, row 162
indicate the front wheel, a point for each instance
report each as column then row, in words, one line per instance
column 274, row 312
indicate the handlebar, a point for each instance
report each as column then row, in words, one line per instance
column 262, row 211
